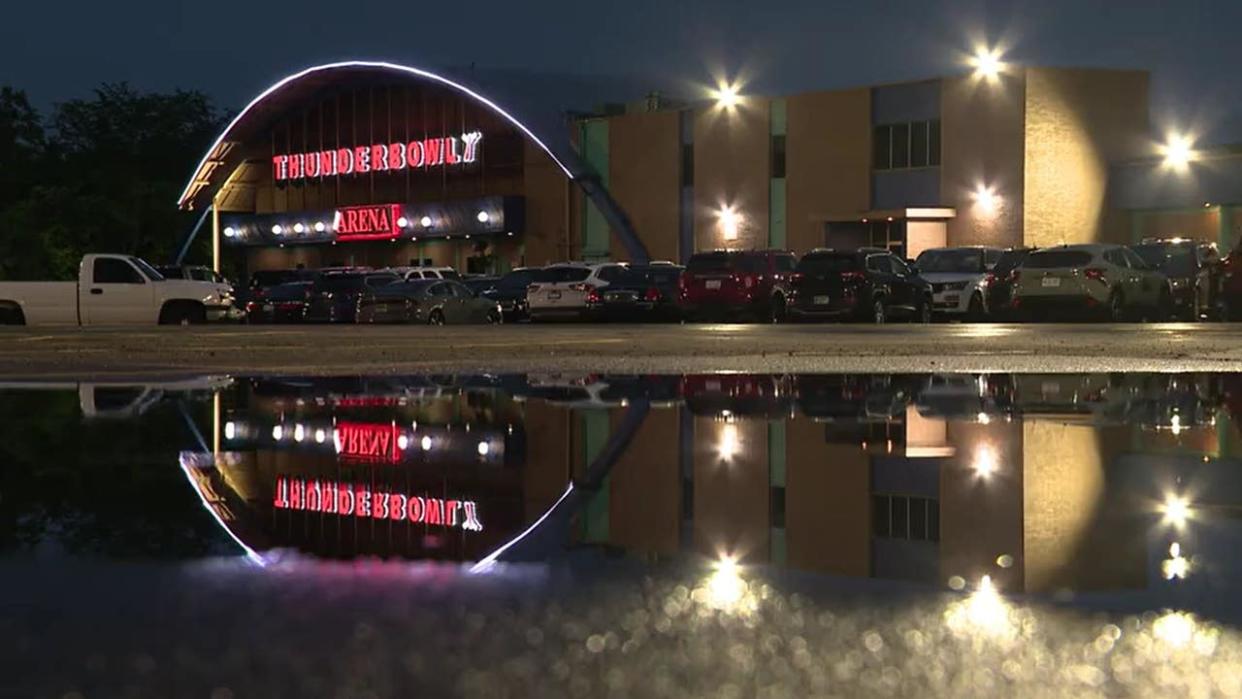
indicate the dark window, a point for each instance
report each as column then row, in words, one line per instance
column 933, row 143
column 918, row 519
column 880, row 263
column 561, row 275
column 918, row 144
column 991, row 256
column 109, row 270
column 1057, row 258
column 880, row 515
column 710, row 262
column 777, row 509
column 882, row 148
column 1114, row 257
column 687, row 165
column 818, row 262
column 785, row 263
column 612, row 274
column 901, row 146
column 1009, row 261
column 900, row 268
column 380, row 280
column 900, row 520
column 905, row 517
column 440, row 290
column 778, row 156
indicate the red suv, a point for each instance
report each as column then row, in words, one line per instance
column 721, row 283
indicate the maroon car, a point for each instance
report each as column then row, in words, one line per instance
column 736, row 283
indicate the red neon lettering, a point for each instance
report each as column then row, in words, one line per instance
column 280, row 167
column 414, row 509
column 450, row 151
column 435, row 151
column 363, row 495
column 415, row 155
column 345, row 500
column 329, row 498
column 396, row 156
column 450, row 512
column 471, row 141
column 281, row 498
column 380, row 511
column 296, row 490
column 472, row 522
column 313, row 497
column 396, row 507
column 344, row 161
column 362, row 159
column 312, row 165
column 435, row 511
column 379, row 157
column 295, row 166
column 327, row 163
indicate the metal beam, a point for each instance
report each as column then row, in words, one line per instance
column 189, row 238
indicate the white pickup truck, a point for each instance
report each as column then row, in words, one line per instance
column 114, row 290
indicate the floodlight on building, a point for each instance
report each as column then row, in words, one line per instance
column 730, row 222
column 987, row 201
column 1178, row 151
column 727, row 96
column 987, row 63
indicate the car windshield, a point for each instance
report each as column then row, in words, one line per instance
column 1170, row 258
column 962, row 261
column 819, row 262
column 559, row 275
column 661, row 276
column 710, row 262
column 1010, row 260
column 147, row 270
column 1050, row 259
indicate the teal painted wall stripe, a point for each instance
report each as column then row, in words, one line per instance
column 776, row 214
column 594, row 142
column 777, row 117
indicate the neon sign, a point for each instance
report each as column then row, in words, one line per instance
column 356, row 500
column 378, row 222
column 379, row 157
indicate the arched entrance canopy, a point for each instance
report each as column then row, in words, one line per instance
column 226, row 153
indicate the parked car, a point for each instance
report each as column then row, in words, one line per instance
column 114, row 290
column 266, row 279
column 1194, row 272
column 960, row 278
column 1109, row 281
column 870, row 284
column 333, row 297
column 197, row 273
column 570, row 290
column 510, row 292
column 1230, row 304
column 643, row 293
column 411, row 273
column 285, row 303
column 430, row 301
column 1004, row 275
column 725, row 283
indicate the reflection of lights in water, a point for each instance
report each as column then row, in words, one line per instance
column 1176, row 566
column 336, row 440
column 1176, row 425
column 402, row 442
column 1176, row 510
column 984, row 612
column 984, row 419
column 984, row 464
column 725, row 589
column 299, row 433
column 1004, row 560
column 426, row 443
column 320, row 436
column 1174, row 628
column 729, row 444
column 278, row 433
column 230, row 430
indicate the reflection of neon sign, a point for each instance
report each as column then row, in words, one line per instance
column 354, row 500
column 368, row 442
column 379, row 157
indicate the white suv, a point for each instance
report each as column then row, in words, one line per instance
column 570, row 290
column 960, row 278
column 412, row 273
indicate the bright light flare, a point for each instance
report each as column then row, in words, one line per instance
column 727, row 96
column 985, row 462
column 987, row 64
column 1178, row 151
column 1176, row 510
column 984, row 612
column 1176, row 567
column 730, row 222
column 987, row 201
column 725, row 589
column 730, row 444
column 1175, row 628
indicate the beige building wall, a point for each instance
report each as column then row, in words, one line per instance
column 1204, row 224
column 827, row 502
column 1077, row 122
column 644, row 504
column 732, row 168
column 981, row 132
column 731, row 496
column 547, row 209
column 827, row 162
column 644, row 176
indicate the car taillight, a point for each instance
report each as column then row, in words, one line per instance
column 988, row 279
column 653, row 294
column 1095, row 273
column 748, row 280
column 683, row 281
column 852, row 277
column 251, row 307
column 797, row 277
column 592, row 294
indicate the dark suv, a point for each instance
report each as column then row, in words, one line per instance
column 333, row 298
column 869, row 284
column 753, row 283
column 1194, row 271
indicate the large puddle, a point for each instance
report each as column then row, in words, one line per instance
column 722, row 534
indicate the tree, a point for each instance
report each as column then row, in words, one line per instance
column 22, row 145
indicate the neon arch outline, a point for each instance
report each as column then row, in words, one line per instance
column 382, row 65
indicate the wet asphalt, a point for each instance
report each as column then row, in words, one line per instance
column 166, row 351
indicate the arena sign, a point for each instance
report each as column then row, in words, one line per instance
column 379, row 157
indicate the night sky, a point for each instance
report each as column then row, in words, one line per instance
column 231, row 49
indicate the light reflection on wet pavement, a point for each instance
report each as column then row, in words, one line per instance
column 709, row 535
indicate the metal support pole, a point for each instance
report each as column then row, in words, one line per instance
column 215, row 234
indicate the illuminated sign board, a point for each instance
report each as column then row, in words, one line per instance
column 364, row 502
column 379, row 157
column 378, row 222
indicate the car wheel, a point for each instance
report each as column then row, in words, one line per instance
column 878, row 315
column 974, row 312
column 925, row 311
column 776, row 309
column 1196, row 309
column 495, row 317
column 436, row 318
column 1164, row 308
column 1116, row 307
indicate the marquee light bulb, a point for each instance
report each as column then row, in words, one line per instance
column 483, row 217
column 230, row 430
column 319, row 226
column 277, row 229
column 426, row 443
column 484, row 448
column 987, row 201
column 229, row 232
column 298, row 228
column 403, row 222
column 730, row 221
column 426, row 222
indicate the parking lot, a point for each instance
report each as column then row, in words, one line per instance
column 42, row 352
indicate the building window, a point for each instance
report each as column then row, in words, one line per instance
column 905, row 517
column 687, row 165
column 905, row 146
column 778, row 156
